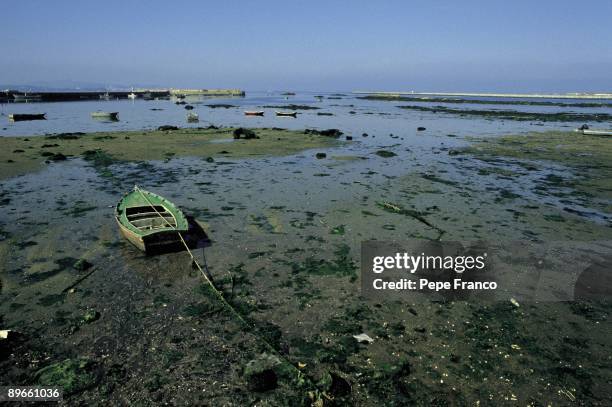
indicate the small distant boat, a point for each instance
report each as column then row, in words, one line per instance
column 594, row 132
column 149, row 221
column 131, row 95
column 105, row 96
column 286, row 114
column 19, row 117
column 254, row 112
column 105, row 115
column 24, row 97
column 193, row 117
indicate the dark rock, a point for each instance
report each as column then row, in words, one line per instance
column 364, row 135
column 321, row 155
column 220, row 105
column 66, row 136
column 210, row 160
column 188, row 107
column 327, row 133
column 167, row 127
column 50, row 145
column 339, row 386
column 451, row 135
column 260, row 373
column 58, row 157
column 244, row 133
column 453, row 152
column 349, row 137
column 385, row 153
column 18, row 151
column 421, row 129
column 82, row 265
column 324, row 114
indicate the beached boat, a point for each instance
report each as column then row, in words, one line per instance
column 18, row 117
column 594, row 132
column 193, row 117
column 131, row 95
column 286, row 114
column 254, row 112
column 105, row 115
column 149, row 221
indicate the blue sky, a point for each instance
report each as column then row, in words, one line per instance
column 315, row 45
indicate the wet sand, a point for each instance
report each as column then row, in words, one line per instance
column 285, row 230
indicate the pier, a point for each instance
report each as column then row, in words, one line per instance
column 148, row 94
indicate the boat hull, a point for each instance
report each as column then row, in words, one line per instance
column 149, row 221
column 595, row 132
column 286, row 114
column 23, row 117
column 150, row 244
column 253, row 113
column 105, row 115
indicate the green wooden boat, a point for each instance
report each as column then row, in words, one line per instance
column 149, row 221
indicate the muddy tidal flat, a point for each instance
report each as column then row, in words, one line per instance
column 285, row 214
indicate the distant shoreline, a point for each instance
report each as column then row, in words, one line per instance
column 497, row 95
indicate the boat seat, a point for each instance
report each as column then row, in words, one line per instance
column 148, row 215
column 154, row 223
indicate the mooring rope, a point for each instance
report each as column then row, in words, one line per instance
column 221, row 297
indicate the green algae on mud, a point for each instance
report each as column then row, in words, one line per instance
column 399, row 98
column 589, row 158
column 20, row 155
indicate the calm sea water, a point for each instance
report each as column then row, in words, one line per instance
column 352, row 115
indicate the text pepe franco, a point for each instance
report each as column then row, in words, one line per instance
column 423, row 264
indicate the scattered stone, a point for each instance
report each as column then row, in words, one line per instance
column 453, row 152
column 260, row 373
column 363, row 338
column 188, row 107
column 167, row 127
column 421, row 129
column 324, row 114
column 385, row 153
column 210, row 160
column 349, row 137
column 19, row 151
column 5, row 334
column 321, row 155
column 244, row 133
column 364, row 135
column 91, row 316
